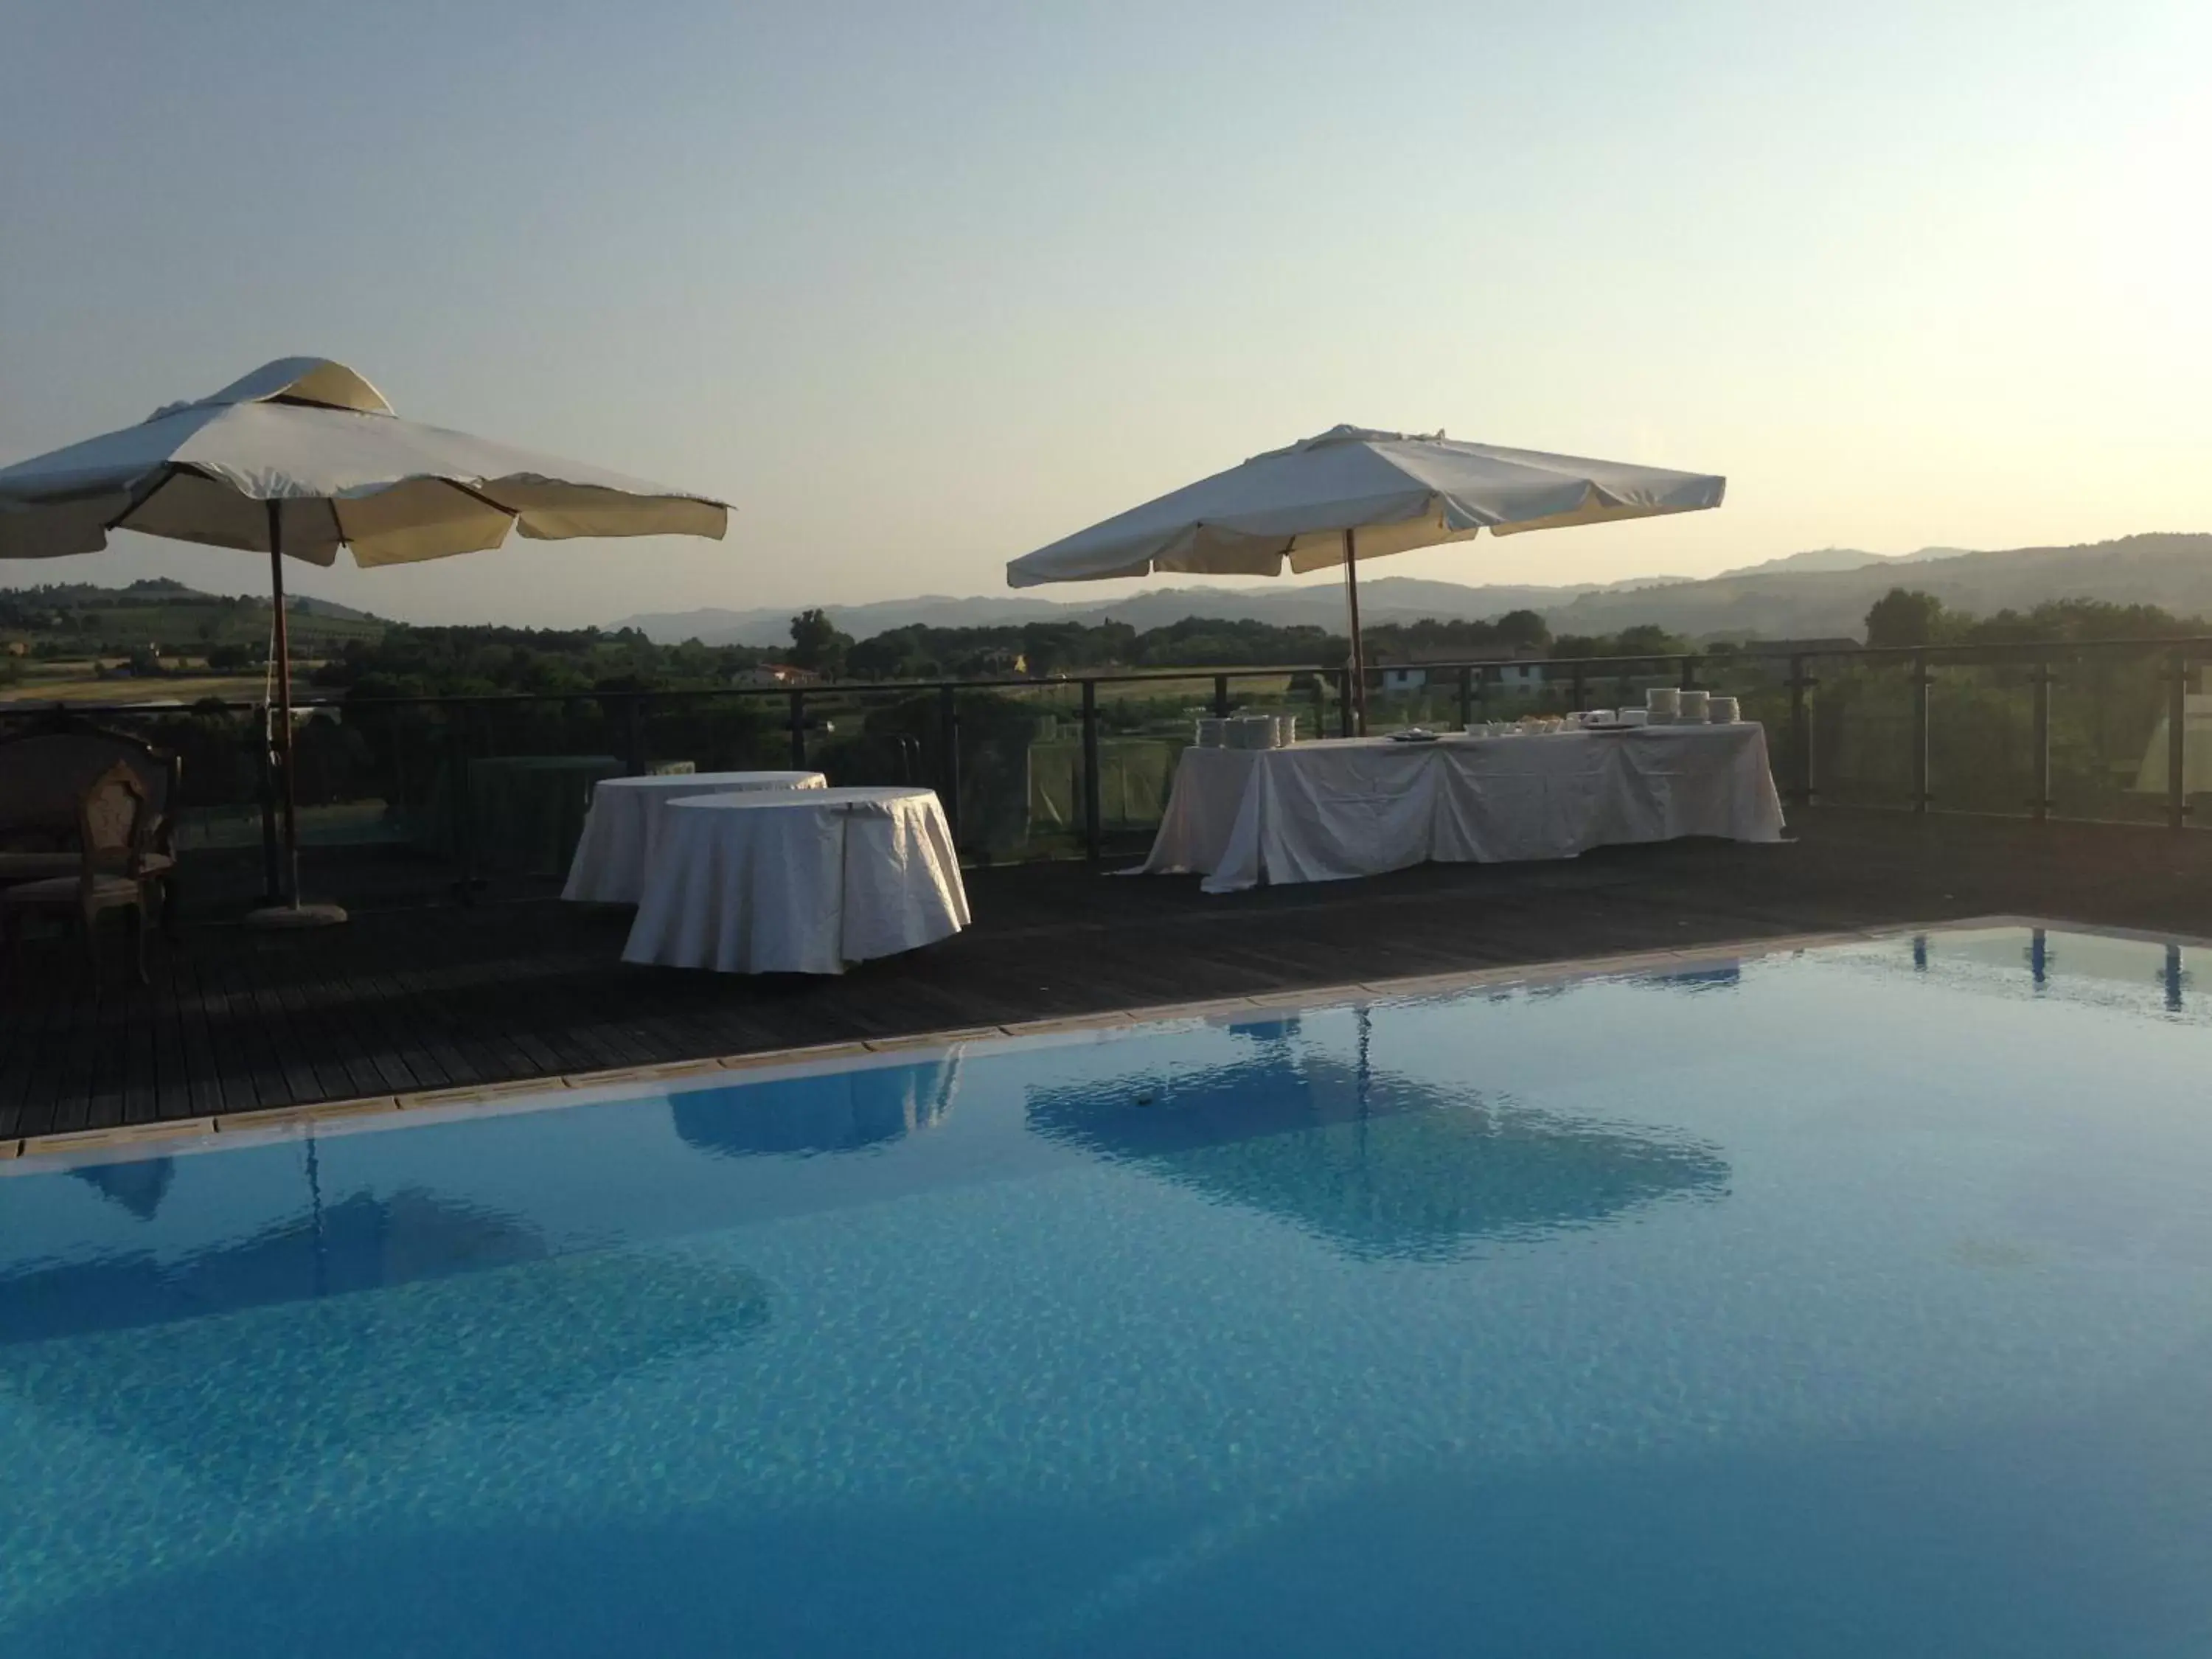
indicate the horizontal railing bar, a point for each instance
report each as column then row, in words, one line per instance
column 2030, row 654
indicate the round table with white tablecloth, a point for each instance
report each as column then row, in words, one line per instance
column 619, row 833
column 800, row 881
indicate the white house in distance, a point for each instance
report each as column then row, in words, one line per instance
column 775, row 676
column 1512, row 672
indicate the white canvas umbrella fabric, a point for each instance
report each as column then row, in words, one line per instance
column 303, row 456
column 1354, row 493
column 1293, row 506
column 305, row 452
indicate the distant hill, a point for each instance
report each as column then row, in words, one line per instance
column 1822, row 593
column 2174, row 571
column 1387, row 598
column 1843, row 558
column 63, row 616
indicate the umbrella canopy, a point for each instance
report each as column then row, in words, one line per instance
column 306, row 453
column 1294, row 505
column 303, row 456
column 1353, row 493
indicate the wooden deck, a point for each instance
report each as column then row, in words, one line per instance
column 429, row 996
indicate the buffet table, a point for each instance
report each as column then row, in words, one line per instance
column 798, row 881
column 1323, row 811
column 623, row 825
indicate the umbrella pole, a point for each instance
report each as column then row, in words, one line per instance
column 282, row 648
column 1358, row 652
column 290, row 913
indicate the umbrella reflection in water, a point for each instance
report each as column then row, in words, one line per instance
column 390, row 1314
column 843, row 1112
column 1376, row 1164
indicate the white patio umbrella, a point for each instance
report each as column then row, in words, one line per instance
column 303, row 456
column 1351, row 494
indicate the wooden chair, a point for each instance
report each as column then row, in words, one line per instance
column 115, row 821
column 44, row 772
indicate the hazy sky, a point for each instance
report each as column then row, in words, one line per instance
column 919, row 287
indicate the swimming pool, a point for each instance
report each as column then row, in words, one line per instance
column 1856, row 1301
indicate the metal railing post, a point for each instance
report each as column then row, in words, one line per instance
column 1576, row 691
column 799, row 730
column 2041, row 741
column 1921, row 681
column 1221, row 696
column 1689, row 673
column 1344, row 700
column 1321, row 707
column 633, row 733
column 1800, row 730
column 1466, row 698
column 948, row 758
column 1091, row 815
column 2176, row 743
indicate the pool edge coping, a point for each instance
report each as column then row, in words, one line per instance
column 20, row 1155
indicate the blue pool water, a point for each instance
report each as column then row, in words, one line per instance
column 1852, row 1303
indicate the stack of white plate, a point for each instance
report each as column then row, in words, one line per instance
column 1725, row 711
column 1696, row 708
column 1661, row 704
column 1211, row 733
column 1252, row 732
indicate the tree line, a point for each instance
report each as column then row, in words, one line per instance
column 1905, row 617
column 1044, row 649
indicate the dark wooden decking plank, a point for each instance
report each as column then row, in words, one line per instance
column 173, row 1075
column 144, row 1029
column 323, row 1032
column 387, row 1013
column 202, row 1072
column 469, row 1056
column 347, row 1013
column 244, row 1037
column 262, row 985
column 450, row 997
column 27, row 1043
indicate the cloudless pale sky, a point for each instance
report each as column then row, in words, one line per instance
column 919, row 287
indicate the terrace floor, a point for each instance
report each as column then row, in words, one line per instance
column 422, row 996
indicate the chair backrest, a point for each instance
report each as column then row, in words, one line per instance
column 114, row 820
column 44, row 777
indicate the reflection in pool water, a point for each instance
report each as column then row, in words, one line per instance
column 839, row 1112
column 1377, row 1163
column 329, row 1332
column 1857, row 1303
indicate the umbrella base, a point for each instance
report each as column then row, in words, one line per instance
column 285, row 916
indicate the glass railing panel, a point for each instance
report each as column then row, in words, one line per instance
column 1021, row 772
column 1981, row 738
column 2109, row 735
column 1863, row 731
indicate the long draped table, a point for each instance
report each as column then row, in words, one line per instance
column 1324, row 811
column 623, row 826
column 798, row 881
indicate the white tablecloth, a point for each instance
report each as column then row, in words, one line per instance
column 620, row 830
column 1322, row 811
column 799, row 881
